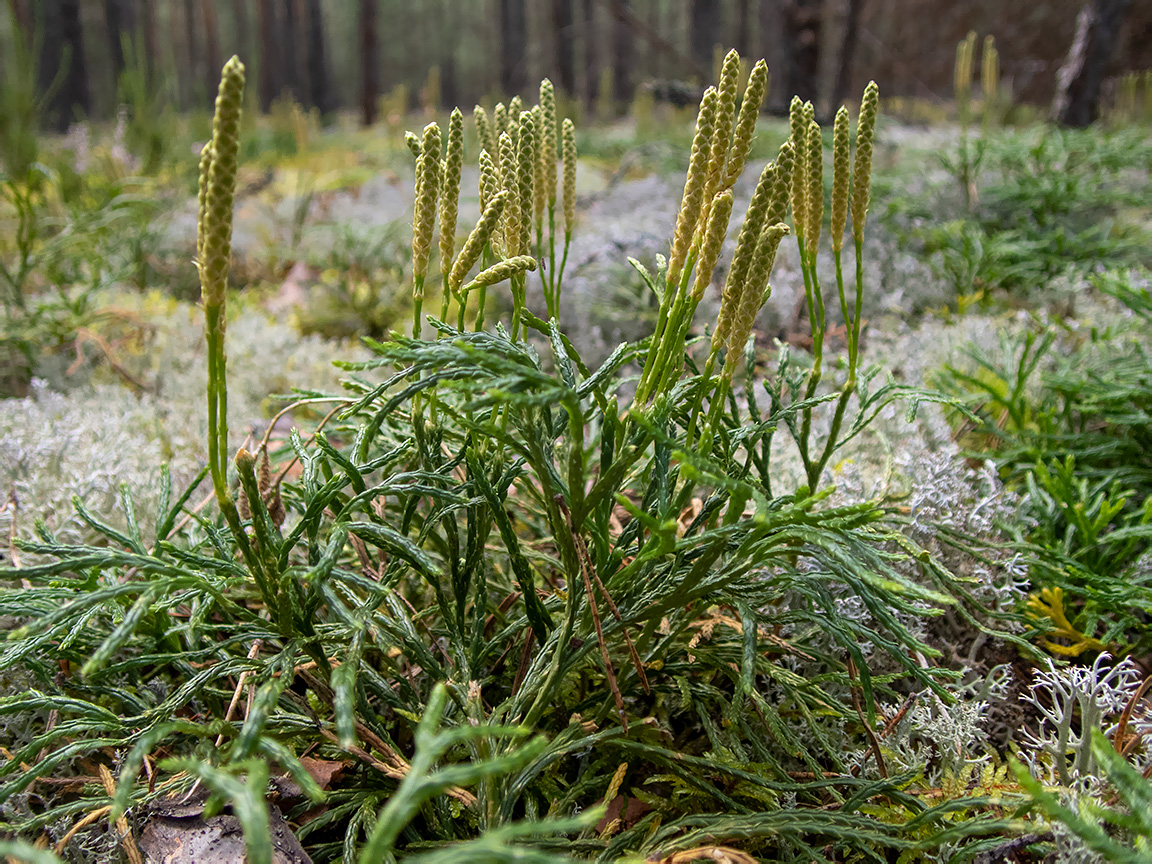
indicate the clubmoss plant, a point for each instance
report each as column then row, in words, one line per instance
column 536, row 595
column 218, row 164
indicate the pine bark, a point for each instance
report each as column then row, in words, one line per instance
column 703, row 31
column 289, row 68
column 269, row 83
column 591, row 54
column 848, row 43
column 213, row 63
column 369, row 62
column 195, row 69
column 243, row 23
column 319, row 81
column 513, row 41
column 565, row 47
column 62, row 54
column 623, row 53
column 118, row 16
column 802, row 24
column 743, row 38
column 151, row 39
column 1078, row 81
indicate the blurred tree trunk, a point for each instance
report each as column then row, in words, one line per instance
column 743, row 40
column 319, row 81
column 243, row 31
column 289, row 70
column 62, row 53
column 151, row 40
column 22, row 19
column 565, row 47
column 770, row 46
column 802, row 22
column 513, row 43
column 269, row 53
column 195, row 71
column 213, row 63
column 449, row 42
column 623, row 53
column 119, row 19
column 369, row 63
column 703, row 31
column 848, row 42
column 591, row 54
column 1078, row 81
column 660, row 23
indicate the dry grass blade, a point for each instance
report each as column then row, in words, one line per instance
column 587, row 567
column 719, row 854
column 130, row 849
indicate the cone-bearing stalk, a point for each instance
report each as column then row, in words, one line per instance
column 424, row 215
column 568, row 145
column 750, row 107
column 450, row 200
column 477, row 240
column 690, row 203
column 721, row 135
column 484, row 131
column 217, row 184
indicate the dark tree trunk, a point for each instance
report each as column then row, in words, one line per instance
column 743, row 40
column 319, row 81
column 660, row 23
column 62, row 54
column 369, row 63
column 847, row 53
column 243, row 31
column 269, row 53
column 623, row 53
column 151, row 40
column 565, row 39
column 213, row 63
column 591, row 54
column 802, row 20
column 449, row 42
column 1078, row 81
column 119, row 19
column 514, row 39
column 703, row 31
column 770, row 46
column 289, row 68
column 195, row 71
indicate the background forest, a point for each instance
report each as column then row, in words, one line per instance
column 344, row 54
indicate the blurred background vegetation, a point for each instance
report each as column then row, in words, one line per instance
column 389, row 56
